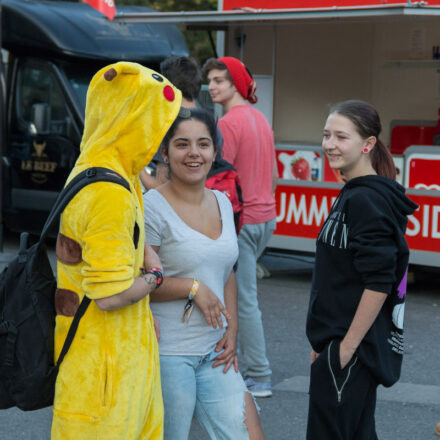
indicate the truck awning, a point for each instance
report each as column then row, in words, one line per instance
column 71, row 29
column 221, row 20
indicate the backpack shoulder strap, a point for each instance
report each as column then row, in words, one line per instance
column 73, row 327
column 86, row 177
column 219, row 166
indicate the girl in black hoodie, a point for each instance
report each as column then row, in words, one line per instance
column 355, row 317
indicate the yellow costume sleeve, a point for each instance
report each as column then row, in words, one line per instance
column 107, row 241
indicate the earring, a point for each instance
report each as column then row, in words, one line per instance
column 365, row 150
column 166, row 159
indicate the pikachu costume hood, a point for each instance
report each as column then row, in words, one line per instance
column 108, row 386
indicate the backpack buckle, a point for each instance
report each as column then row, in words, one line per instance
column 91, row 172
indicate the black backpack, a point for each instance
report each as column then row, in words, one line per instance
column 27, row 311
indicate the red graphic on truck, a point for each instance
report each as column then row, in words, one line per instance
column 300, row 169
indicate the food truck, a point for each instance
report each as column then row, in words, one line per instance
column 386, row 53
column 307, row 55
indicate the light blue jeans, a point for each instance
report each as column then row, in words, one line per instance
column 251, row 244
column 189, row 383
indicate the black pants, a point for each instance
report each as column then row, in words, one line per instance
column 342, row 401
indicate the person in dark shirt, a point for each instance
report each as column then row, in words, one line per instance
column 355, row 316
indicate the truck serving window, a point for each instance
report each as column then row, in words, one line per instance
column 36, row 85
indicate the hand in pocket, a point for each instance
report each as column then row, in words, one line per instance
column 345, row 355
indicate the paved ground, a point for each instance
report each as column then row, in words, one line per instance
column 407, row 411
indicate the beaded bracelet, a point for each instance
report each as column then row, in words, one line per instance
column 156, row 271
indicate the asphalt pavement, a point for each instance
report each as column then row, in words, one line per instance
column 407, row 411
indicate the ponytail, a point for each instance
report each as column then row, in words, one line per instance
column 382, row 161
column 367, row 122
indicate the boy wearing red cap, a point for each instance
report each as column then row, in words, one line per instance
column 249, row 147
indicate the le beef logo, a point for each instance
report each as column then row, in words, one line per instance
column 39, row 165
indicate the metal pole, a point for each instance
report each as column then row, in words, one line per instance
column 274, row 66
column 220, row 35
column 2, row 134
column 218, row 109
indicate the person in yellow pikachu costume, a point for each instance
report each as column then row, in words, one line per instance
column 108, row 386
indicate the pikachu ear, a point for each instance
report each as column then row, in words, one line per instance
column 110, row 74
column 121, row 68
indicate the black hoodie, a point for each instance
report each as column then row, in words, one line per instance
column 362, row 246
